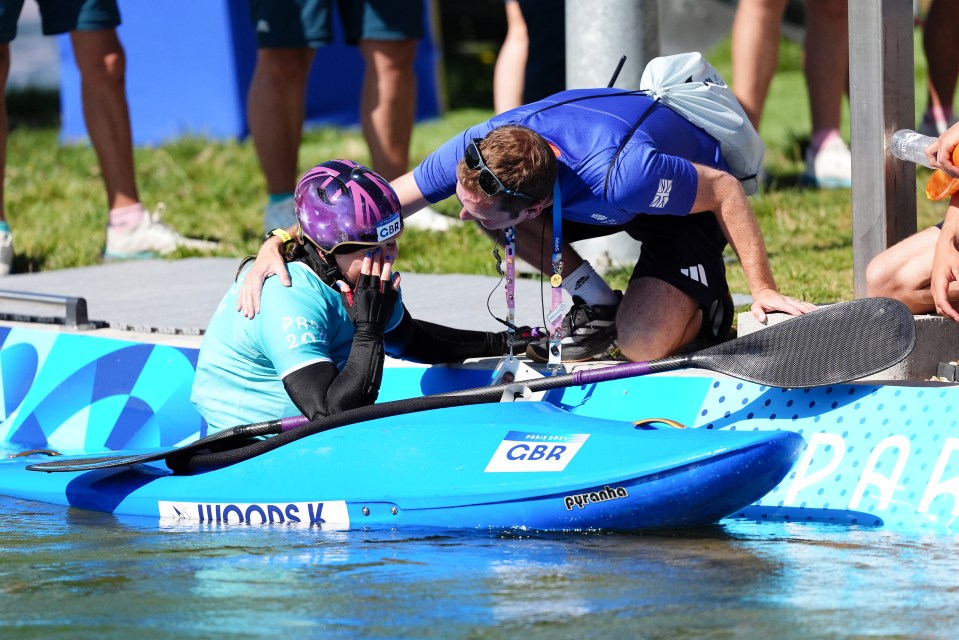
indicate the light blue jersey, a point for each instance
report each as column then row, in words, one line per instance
column 242, row 362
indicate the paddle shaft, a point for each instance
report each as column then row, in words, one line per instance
column 605, row 374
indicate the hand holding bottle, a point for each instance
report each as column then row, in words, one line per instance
column 930, row 152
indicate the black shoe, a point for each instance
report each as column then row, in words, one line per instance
column 588, row 331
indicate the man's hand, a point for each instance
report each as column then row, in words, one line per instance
column 769, row 300
column 943, row 150
column 269, row 262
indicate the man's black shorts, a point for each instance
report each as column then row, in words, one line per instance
column 684, row 251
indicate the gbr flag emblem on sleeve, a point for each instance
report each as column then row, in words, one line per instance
column 662, row 194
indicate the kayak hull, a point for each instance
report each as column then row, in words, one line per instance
column 523, row 465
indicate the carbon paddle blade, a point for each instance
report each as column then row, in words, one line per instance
column 837, row 343
column 216, row 440
column 89, row 463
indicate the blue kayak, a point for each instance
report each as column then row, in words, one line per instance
column 518, row 465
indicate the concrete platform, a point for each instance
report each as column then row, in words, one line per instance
column 937, row 340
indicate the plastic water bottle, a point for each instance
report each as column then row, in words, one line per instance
column 911, row 146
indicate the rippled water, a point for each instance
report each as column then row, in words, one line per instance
column 70, row 573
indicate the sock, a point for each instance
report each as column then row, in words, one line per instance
column 942, row 114
column 4, row 226
column 821, row 138
column 277, row 197
column 126, row 218
column 279, row 212
column 277, row 205
column 586, row 284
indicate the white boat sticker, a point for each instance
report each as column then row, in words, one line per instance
column 524, row 451
column 330, row 514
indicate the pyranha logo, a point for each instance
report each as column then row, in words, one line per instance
column 605, row 494
column 662, row 194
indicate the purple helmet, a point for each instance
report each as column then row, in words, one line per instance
column 341, row 202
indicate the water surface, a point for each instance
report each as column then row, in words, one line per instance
column 71, row 573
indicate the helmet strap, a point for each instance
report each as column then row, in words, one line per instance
column 324, row 264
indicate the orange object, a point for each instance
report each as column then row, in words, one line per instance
column 941, row 185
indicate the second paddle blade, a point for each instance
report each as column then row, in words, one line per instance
column 837, row 343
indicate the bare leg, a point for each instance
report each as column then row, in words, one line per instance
column 510, row 71
column 102, row 64
column 903, row 272
column 4, row 74
column 655, row 319
column 826, row 62
column 942, row 57
column 755, row 52
column 6, row 238
column 276, row 107
column 130, row 233
column 388, row 103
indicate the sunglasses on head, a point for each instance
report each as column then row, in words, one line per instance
column 489, row 183
column 348, row 248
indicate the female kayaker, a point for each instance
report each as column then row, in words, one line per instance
column 317, row 347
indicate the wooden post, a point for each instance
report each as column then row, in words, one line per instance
column 881, row 100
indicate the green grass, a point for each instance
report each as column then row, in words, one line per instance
column 57, row 208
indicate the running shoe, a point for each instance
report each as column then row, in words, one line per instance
column 830, row 167
column 149, row 239
column 429, row 219
column 588, row 331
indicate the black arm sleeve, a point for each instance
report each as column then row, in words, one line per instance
column 434, row 343
column 319, row 390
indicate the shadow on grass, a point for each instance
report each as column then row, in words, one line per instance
column 784, row 181
column 33, row 108
column 27, row 263
column 790, row 180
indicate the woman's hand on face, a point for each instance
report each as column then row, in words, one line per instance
column 377, row 265
column 372, row 300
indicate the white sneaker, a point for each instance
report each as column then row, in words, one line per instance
column 831, row 167
column 149, row 239
column 279, row 215
column 6, row 252
column 431, row 220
